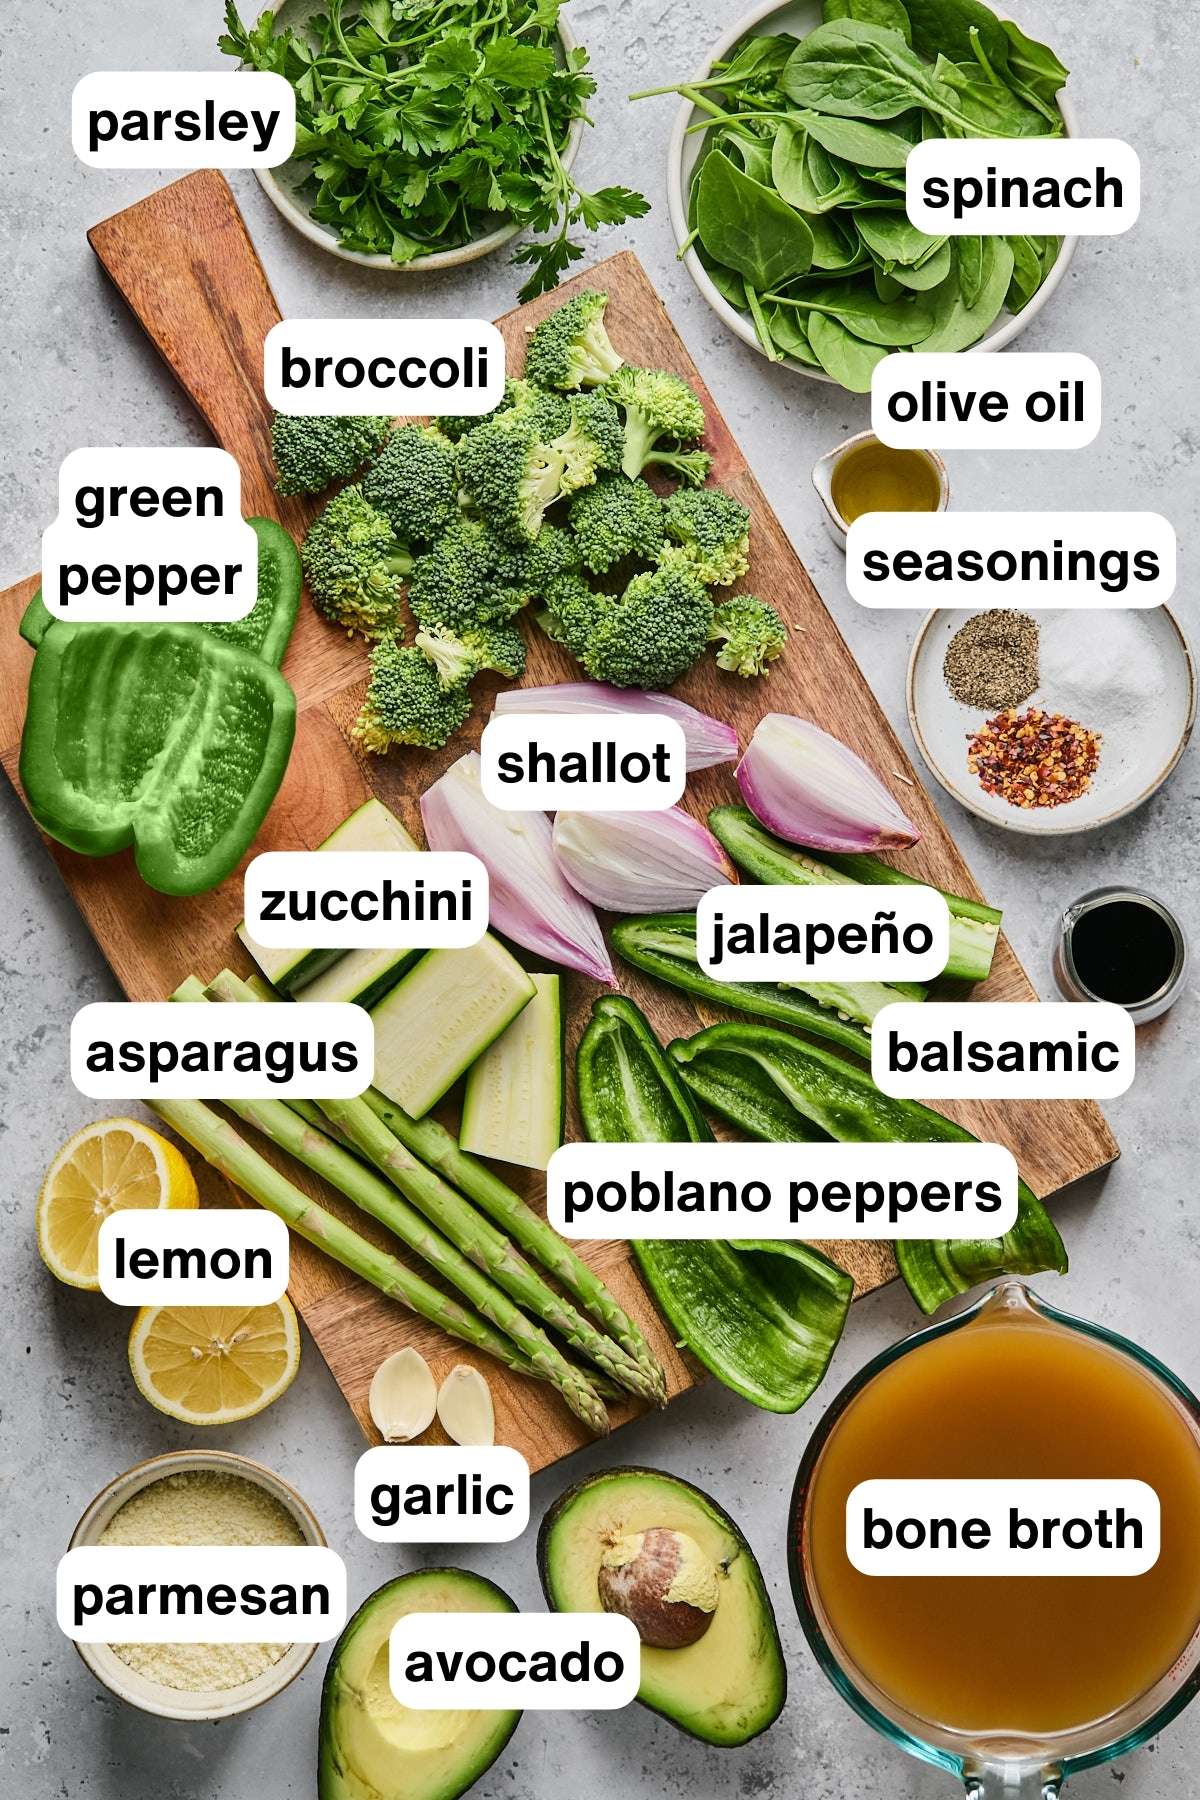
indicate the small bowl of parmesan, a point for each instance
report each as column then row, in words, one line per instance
column 196, row 1497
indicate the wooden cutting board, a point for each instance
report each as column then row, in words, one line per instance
column 184, row 262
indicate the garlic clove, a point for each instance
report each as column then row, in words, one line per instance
column 464, row 1406
column 403, row 1397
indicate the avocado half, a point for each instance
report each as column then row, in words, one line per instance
column 371, row 1747
column 731, row 1684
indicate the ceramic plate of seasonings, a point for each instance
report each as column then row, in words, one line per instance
column 1051, row 722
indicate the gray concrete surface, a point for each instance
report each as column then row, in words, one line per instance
column 74, row 371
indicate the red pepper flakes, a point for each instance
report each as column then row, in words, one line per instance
column 1034, row 758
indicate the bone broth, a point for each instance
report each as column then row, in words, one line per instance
column 1011, row 1394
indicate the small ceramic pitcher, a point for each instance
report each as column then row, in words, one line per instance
column 822, row 480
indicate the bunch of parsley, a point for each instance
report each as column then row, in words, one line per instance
column 429, row 123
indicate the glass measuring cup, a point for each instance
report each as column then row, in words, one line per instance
column 1017, row 1764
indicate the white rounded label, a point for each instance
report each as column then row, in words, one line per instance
column 994, row 1527
column 548, row 1662
column 441, row 1494
column 366, row 899
column 1010, row 559
column 192, row 1050
column 1003, row 1050
column 206, row 1593
column 1025, row 400
column 790, row 1191
column 588, row 763
column 1043, row 187
column 829, row 934
column 198, row 1256
column 149, row 534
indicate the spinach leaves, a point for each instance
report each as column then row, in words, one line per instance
column 749, row 228
column 797, row 203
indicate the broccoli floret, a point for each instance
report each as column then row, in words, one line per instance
column 414, row 484
column 406, row 702
column 355, row 564
column 552, row 553
column 553, row 411
column 616, row 518
column 458, row 659
column 468, row 578
column 571, row 613
column 571, row 348
column 456, row 425
column 654, row 633
column 593, row 443
column 691, row 467
column 510, row 474
column 750, row 632
column 550, row 412
column 710, row 531
column 656, row 405
column 311, row 453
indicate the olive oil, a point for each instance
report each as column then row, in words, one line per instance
column 873, row 478
column 1010, row 1394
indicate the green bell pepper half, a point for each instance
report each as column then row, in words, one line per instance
column 267, row 626
column 776, row 1077
column 156, row 736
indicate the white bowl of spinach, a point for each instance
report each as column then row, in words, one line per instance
column 792, row 213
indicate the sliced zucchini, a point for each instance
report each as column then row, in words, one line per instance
column 287, row 969
column 513, row 1106
column 361, row 976
column 370, row 827
column 442, row 1016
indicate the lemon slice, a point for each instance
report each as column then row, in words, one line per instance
column 210, row 1365
column 104, row 1168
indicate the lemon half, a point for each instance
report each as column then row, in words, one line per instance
column 105, row 1168
column 210, row 1365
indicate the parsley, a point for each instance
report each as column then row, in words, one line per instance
column 428, row 123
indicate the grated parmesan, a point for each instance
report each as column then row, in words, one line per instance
column 202, row 1506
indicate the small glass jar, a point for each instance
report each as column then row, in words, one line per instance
column 1072, row 984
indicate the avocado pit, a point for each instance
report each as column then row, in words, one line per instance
column 663, row 1581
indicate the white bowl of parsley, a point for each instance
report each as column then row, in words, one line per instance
column 422, row 149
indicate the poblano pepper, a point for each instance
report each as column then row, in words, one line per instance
column 763, row 1080
column 628, row 1092
column 156, row 736
column 763, row 1317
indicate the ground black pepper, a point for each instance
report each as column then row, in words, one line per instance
column 992, row 660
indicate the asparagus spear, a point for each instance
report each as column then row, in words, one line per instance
column 220, row 1145
column 436, row 1147
column 364, row 1187
column 474, row 1235
column 536, row 1236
